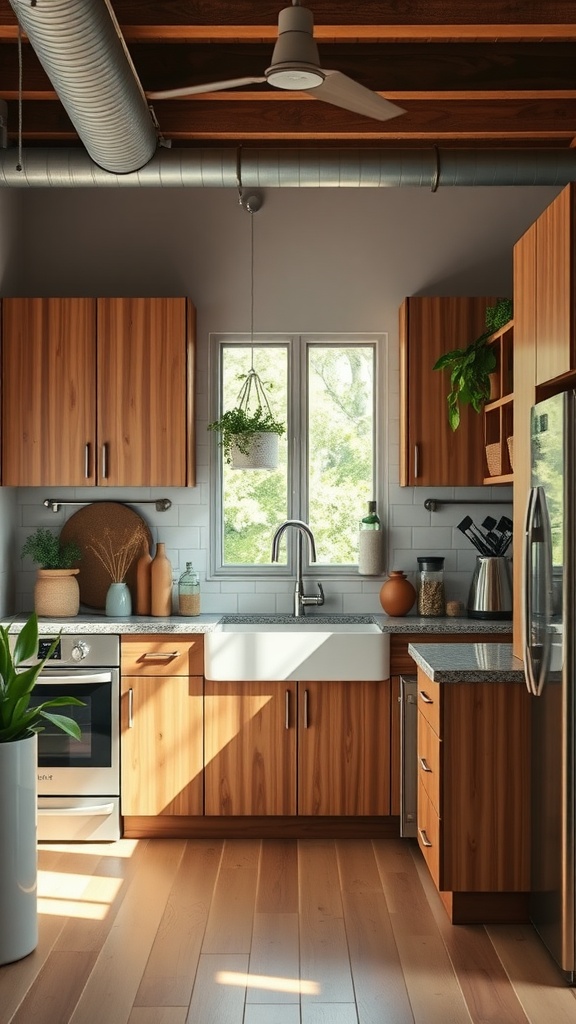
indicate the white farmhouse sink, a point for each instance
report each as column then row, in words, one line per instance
column 292, row 650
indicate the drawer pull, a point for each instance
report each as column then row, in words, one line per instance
column 160, row 655
column 425, row 698
column 287, row 710
column 424, row 765
column 424, row 837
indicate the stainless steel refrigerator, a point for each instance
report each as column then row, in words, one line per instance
column 550, row 666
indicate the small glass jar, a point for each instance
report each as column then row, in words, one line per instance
column 189, row 592
column 431, row 599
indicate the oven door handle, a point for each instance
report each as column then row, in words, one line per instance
column 78, row 678
column 93, row 809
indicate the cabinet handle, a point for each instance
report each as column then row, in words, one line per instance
column 305, row 709
column 424, row 837
column 87, row 460
column 424, row 765
column 425, row 698
column 287, row 705
column 104, row 461
column 160, row 655
column 416, row 461
column 130, row 708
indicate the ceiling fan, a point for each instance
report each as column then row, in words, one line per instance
column 296, row 65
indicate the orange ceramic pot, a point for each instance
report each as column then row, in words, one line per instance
column 397, row 595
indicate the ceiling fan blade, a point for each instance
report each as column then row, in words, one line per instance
column 194, row 90
column 344, row 92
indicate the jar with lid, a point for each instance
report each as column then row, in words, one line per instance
column 431, row 599
column 189, row 592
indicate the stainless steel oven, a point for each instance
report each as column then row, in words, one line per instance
column 79, row 781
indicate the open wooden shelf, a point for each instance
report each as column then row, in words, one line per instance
column 499, row 411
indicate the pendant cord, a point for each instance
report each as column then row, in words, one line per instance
column 20, row 79
column 251, row 290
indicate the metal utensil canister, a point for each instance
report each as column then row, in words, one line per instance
column 490, row 595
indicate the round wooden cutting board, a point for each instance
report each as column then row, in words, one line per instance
column 111, row 524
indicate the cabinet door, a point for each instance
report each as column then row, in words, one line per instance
column 250, row 748
column 145, row 368
column 431, row 454
column 49, row 388
column 161, row 747
column 344, row 748
column 555, row 287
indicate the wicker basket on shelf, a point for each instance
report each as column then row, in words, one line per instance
column 510, row 443
column 494, row 459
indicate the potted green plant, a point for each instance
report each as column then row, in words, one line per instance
column 20, row 722
column 470, row 368
column 56, row 590
column 249, row 439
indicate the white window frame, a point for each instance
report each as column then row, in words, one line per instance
column 297, row 484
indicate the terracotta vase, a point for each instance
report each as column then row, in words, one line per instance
column 397, row 595
column 161, row 582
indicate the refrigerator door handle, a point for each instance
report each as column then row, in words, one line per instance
column 527, row 593
column 546, row 529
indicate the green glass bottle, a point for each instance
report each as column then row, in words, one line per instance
column 370, row 521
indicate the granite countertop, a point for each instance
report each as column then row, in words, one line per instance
column 92, row 622
column 468, row 663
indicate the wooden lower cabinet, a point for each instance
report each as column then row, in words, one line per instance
column 250, row 748
column 162, row 711
column 307, row 748
column 473, row 789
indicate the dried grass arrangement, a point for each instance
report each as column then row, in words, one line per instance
column 117, row 551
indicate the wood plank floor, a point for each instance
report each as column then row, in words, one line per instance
column 168, row 931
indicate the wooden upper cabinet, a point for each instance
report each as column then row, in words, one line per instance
column 556, row 288
column 98, row 392
column 431, row 454
column 48, row 391
column 144, row 355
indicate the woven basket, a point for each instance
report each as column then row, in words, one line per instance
column 494, row 459
column 262, row 453
column 510, row 443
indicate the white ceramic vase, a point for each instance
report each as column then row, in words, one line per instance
column 18, row 859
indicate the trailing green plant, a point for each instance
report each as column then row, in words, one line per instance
column 237, row 428
column 44, row 547
column 19, row 720
column 470, row 367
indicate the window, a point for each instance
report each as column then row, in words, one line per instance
column 325, row 389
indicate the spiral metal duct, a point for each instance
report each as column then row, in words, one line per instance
column 277, row 168
column 80, row 47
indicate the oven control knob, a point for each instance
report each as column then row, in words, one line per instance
column 80, row 650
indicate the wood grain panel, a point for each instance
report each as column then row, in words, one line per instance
column 250, row 755
column 429, row 762
column 49, row 391
column 156, row 656
column 524, row 398
column 429, row 839
column 324, row 957
column 434, row 455
column 343, row 727
column 142, row 392
column 555, row 287
column 430, row 698
column 162, row 752
column 278, row 878
column 275, row 958
column 485, row 787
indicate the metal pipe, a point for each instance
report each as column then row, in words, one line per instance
column 294, row 168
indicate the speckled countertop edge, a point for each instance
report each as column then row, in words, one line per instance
column 468, row 663
column 206, row 623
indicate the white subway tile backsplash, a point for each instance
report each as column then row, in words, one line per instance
column 409, row 515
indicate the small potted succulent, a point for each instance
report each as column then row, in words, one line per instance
column 56, row 591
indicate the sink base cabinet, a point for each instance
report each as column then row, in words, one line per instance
column 473, row 789
column 250, row 748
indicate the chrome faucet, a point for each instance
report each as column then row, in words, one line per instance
column 300, row 598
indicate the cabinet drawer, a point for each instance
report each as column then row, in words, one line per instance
column 429, row 697
column 162, row 656
column 429, row 834
column 429, row 751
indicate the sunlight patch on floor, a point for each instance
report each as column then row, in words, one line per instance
column 264, row 981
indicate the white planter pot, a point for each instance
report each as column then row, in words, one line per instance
column 18, row 859
column 262, row 453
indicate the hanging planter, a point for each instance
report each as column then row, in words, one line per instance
column 249, row 440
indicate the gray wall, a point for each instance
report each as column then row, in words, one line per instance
column 10, row 275
column 326, row 260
